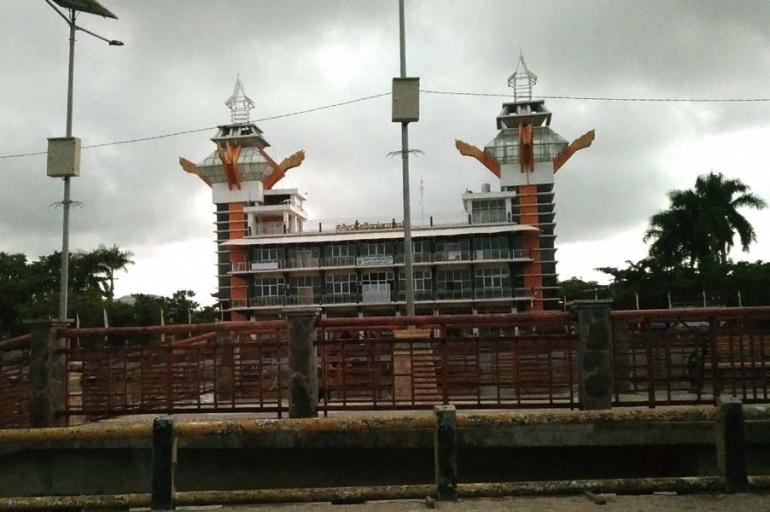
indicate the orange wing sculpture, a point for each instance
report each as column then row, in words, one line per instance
column 581, row 142
column 487, row 160
column 279, row 170
column 190, row 167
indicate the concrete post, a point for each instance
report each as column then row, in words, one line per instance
column 303, row 384
column 731, row 444
column 445, row 452
column 163, row 464
column 594, row 353
column 47, row 374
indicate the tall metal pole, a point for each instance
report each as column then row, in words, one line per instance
column 408, row 270
column 66, row 201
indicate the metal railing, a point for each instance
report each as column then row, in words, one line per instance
column 240, row 266
column 493, row 293
column 339, row 261
column 242, row 368
column 454, row 294
column 481, row 361
column 417, row 257
column 304, row 262
column 267, row 301
column 690, row 356
column 239, row 303
column 270, row 228
column 340, row 298
column 491, row 254
column 14, row 386
column 448, row 256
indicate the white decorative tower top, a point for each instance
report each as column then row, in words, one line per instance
column 239, row 104
column 522, row 80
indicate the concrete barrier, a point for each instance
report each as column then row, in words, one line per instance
column 265, row 460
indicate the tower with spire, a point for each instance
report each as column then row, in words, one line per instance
column 242, row 176
column 525, row 155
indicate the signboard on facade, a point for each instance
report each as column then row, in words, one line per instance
column 265, row 265
column 369, row 226
column 374, row 260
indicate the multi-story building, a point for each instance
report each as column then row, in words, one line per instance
column 496, row 255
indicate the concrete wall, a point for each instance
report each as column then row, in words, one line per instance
column 318, row 458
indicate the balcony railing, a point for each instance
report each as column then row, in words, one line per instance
column 419, row 295
column 304, row 262
column 453, row 294
column 239, row 303
column 267, row 301
column 493, row 293
column 340, row 298
column 269, row 228
column 491, row 254
column 339, row 261
column 417, row 257
column 301, row 300
column 446, row 256
column 521, row 254
column 240, row 266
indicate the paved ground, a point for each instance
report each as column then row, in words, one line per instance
column 694, row 503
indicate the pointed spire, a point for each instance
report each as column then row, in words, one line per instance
column 522, row 80
column 239, row 104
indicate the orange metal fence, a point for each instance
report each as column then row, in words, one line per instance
column 666, row 357
column 690, row 356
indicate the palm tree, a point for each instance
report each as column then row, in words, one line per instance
column 700, row 224
column 110, row 261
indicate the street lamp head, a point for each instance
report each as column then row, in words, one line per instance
column 115, row 42
column 89, row 6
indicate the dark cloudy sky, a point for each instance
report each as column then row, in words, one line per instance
column 181, row 58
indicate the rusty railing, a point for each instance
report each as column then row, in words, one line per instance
column 690, row 356
column 477, row 362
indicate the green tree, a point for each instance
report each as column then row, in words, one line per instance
column 700, row 224
column 14, row 286
column 577, row 289
column 109, row 261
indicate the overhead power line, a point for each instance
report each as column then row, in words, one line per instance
column 426, row 91
column 609, row 98
column 208, row 128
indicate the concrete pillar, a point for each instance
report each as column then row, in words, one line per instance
column 303, row 367
column 445, row 452
column 594, row 353
column 47, row 374
column 731, row 444
column 163, row 464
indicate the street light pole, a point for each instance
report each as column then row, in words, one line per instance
column 71, row 168
column 408, row 268
column 66, row 202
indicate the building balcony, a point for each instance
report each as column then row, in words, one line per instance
column 298, row 300
column 454, row 294
column 417, row 257
column 305, row 262
column 450, row 256
column 268, row 228
column 493, row 293
column 339, row 261
column 239, row 303
column 267, row 301
column 419, row 296
column 340, row 298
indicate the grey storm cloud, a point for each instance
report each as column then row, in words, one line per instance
column 181, row 58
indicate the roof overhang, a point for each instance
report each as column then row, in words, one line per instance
column 352, row 236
